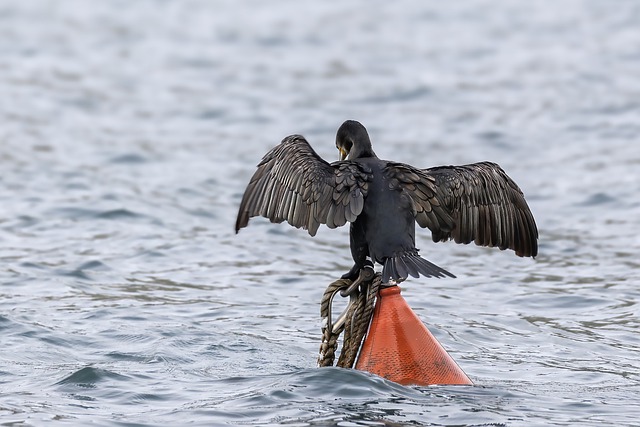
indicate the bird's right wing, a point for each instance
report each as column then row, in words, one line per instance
column 294, row 184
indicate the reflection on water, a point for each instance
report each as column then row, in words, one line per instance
column 128, row 138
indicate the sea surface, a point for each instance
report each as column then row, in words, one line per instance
column 129, row 130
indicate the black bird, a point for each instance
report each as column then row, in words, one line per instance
column 382, row 200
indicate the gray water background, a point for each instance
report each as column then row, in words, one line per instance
column 128, row 131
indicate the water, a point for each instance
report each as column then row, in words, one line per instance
column 129, row 130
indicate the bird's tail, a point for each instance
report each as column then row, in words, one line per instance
column 400, row 266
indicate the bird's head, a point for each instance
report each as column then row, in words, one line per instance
column 352, row 141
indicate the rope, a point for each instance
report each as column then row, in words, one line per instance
column 354, row 321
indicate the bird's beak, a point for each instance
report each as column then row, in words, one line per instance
column 343, row 153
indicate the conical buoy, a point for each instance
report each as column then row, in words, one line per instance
column 399, row 346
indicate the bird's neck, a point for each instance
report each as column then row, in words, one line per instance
column 362, row 150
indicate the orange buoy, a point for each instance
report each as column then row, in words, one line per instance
column 399, row 346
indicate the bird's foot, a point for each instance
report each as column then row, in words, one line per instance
column 365, row 276
column 354, row 273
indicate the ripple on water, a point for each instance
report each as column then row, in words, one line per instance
column 92, row 386
column 89, row 377
column 599, row 199
column 128, row 159
column 128, row 357
column 332, row 396
column 117, row 214
column 81, row 271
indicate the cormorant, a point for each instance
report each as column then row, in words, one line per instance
column 382, row 200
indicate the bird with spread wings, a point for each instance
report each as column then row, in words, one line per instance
column 382, row 200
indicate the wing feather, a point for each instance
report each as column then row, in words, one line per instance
column 472, row 203
column 292, row 183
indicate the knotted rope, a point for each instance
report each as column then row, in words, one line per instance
column 354, row 321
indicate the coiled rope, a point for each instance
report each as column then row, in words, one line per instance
column 354, row 321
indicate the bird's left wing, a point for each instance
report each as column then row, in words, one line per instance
column 472, row 203
column 294, row 184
